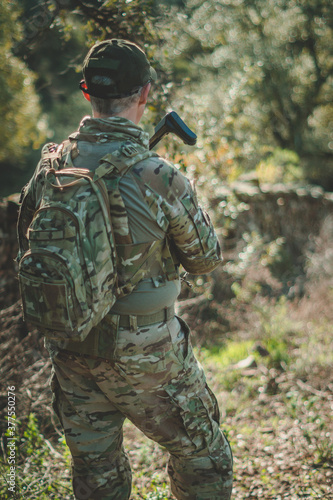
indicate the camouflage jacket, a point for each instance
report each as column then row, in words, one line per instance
column 160, row 202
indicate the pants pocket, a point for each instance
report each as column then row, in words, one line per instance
column 55, row 388
column 215, row 407
column 197, row 411
column 179, row 332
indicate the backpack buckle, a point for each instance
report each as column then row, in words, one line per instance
column 129, row 150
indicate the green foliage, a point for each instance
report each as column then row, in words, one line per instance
column 259, row 254
column 19, row 104
column 57, row 35
column 261, row 75
column 44, row 43
column 228, row 354
column 278, row 352
column 282, row 165
column 231, row 208
column 99, row 20
column 159, row 492
column 247, row 76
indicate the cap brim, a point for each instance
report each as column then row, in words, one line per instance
column 153, row 74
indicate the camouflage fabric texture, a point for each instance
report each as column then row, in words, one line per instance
column 148, row 374
column 68, row 277
column 154, row 380
column 168, row 195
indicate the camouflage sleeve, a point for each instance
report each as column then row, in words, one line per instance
column 188, row 227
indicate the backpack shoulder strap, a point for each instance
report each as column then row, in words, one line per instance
column 118, row 163
column 121, row 160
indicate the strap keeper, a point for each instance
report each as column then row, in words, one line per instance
column 133, row 323
column 166, row 314
column 114, row 320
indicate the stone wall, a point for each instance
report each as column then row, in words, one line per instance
column 8, row 251
column 8, row 239
column 294, row 213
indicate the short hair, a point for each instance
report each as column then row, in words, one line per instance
column 111, row 107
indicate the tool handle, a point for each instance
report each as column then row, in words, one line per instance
column 172, row 123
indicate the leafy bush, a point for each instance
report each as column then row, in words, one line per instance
column 282, row 165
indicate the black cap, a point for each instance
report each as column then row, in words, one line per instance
column 115, row 68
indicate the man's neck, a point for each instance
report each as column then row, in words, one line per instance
column 130, row 114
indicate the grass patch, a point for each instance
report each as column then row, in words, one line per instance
column 42, row 469
column 229, row 354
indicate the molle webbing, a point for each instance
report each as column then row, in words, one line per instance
column 136, row 261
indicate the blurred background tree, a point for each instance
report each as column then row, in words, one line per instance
column 252, row 77
column 22, row 125
column 46, row 41
column 260, row 76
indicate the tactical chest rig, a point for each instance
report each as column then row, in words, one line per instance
column 134, row 260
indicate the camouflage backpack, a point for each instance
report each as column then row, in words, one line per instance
column 68, row 276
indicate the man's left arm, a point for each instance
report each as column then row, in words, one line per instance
column 193, row 235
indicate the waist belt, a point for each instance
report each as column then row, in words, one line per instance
column 133, row 321
column 101, row 341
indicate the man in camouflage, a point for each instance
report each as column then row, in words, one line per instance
column 138, row 362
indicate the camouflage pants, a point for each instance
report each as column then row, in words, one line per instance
column 155, row 381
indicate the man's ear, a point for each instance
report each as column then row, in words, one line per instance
column 86, row 96
column 144, row 94
column 83, row 86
